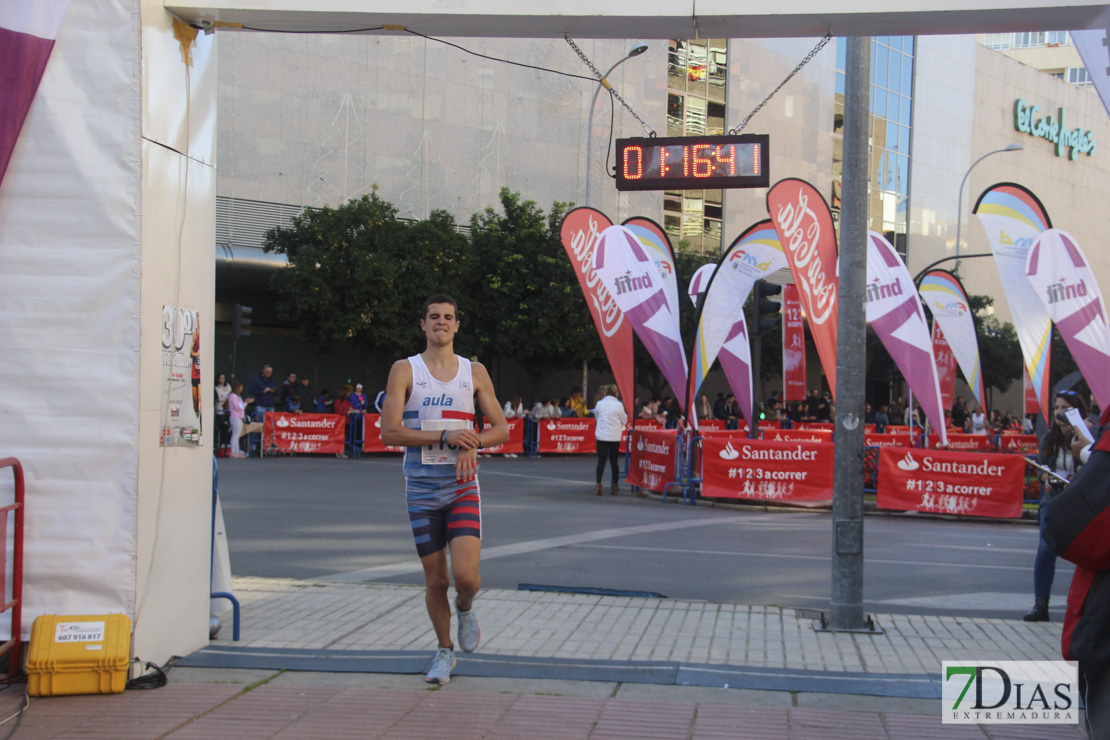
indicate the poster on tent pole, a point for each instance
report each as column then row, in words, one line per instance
column 1066, row 285
column 793, row 346
column 181, row 399
column 805, row 228
column 1013, row 218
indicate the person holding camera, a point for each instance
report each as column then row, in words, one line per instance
column 1057, row 455
column 1077, row 528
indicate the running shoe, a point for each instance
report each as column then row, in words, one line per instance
column 469, row 632
column 442, row 665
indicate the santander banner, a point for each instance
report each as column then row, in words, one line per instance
column 629, row 272
column 793, row 345
column 766, row 470
column 894, row 312
column 797, row 435
column 805, row 228
column 579, row 233
column 372, row 435
column 1059, row 272
column 722, row 329
column 965, row 442
column 304, row 432
column 574, row 436
column 945, row 297
column 652, row 464
column 1013, row 218
column 943, row 482
column 515, row 443
column 647, row 425
column 1022, row 444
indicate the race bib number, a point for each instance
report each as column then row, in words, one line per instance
column 441, row 453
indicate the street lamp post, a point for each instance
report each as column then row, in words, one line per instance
column 637, row 49
column 960, row 203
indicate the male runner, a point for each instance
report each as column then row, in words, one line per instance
column 429, row 409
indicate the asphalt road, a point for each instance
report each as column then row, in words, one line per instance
column 331, row 519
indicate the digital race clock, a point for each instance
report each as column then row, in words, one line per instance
column 694, row 162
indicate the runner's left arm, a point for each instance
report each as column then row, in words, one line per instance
column 467, row 465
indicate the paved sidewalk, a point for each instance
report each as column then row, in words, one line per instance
column 328, row 660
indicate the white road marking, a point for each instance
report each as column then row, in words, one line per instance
column 413, row 565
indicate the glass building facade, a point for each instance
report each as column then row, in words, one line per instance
column 696, row 76
column 891, row 101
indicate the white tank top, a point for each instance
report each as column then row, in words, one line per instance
column 433, row 399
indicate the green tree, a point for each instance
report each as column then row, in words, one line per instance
column 358, row 276
column 521, row 279
column 999, row 351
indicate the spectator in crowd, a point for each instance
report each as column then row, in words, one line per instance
column 720, row 407
column 236, row 405
column 293, row 403
column 773, row 411
column 611, row 419
column 882, row 420
column 958, row 414
column 357, row 401
column 1057, row 455
column 223, row 390
column 647, row 410
column 223, row 422
column 288, row 388
column 1029, row 424
column 342, row 403
column 324, row 402
column 305, row 395
column 552, row 409
column 824, row 410
column 667, row 415
column 868, row 414
column 732, row 412
column 515, row 408
column 898, row 409
column 812, row 402
column 577, row 403
column 705, row 411
column 262, row 389
column 537, row 409
column 978, row 421
column 1077, row 528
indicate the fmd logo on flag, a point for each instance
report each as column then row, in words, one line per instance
column 1026, row 692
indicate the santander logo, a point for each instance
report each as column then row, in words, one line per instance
column 281, row 422
column 729, row 452
column 801, row 231
column 583, row 244
column 908, row 463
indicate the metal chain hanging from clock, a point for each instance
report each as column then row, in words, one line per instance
column 820, row 45
column 605, row 83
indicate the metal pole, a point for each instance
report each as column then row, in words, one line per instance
column 960, row 202
column 846, row 608
column 590, row 126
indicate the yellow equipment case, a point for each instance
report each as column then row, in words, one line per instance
column 86, row 654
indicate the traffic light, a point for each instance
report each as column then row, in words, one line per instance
column 767, row 312
column 240, row 321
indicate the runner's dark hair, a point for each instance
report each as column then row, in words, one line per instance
column 441, row 298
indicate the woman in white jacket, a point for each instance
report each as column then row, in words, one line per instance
column 611, row 419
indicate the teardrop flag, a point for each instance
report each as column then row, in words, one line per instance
column 1013, row 218
column 805, row 228
column 945, row 297
column 1059, row 272
column 580, row 231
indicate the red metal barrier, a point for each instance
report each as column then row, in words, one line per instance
column 11, row 647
